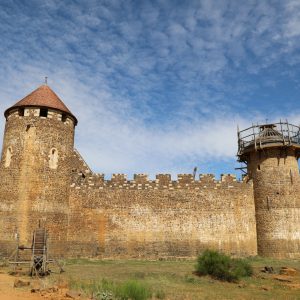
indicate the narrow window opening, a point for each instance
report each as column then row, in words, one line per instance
column 28, row 127
column 8, row 157
column 258, row 167
column 53, row 159
column 82, row 175
column 43, row 112
column 21, row 112
column 64, row 117
column 268, row 203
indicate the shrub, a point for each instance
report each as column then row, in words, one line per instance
column 221, row 266
column 242, row 268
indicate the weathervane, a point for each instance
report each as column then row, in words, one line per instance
column 46, row 80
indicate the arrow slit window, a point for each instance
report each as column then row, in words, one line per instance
column 8, row 157
column 53, row 158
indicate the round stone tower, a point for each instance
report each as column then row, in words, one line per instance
column 35, row 168
column 271, row 152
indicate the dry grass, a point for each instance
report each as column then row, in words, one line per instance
column 175, row 279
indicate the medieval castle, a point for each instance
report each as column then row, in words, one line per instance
column 44, row 179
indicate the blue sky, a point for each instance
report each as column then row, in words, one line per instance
column 157, row 86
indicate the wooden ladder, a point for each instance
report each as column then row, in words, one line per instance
column 39, row 258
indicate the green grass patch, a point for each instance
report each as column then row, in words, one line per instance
column 133, row 290
column 109, row 290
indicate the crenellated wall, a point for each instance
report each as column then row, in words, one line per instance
column 85, row 178
column 44, row 179
column 145, row 218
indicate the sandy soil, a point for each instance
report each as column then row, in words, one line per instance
column 44, row 289
column 8, row 292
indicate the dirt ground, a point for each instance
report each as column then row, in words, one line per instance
column 42, row 289
column 8, row 292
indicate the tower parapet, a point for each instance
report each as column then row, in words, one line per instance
column 270, row 152
column 258, row 137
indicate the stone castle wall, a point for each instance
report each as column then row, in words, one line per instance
column 160, row 218
column 44, row 179
column 142, row 218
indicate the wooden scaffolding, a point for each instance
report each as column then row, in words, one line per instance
column 37, row 261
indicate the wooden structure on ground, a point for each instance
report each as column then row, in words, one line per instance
column 38, row 260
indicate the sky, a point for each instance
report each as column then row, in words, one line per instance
column 157, row 86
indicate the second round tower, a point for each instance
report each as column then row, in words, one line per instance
column 271, row 152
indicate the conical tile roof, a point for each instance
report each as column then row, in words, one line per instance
column 43, row 96
column 268, row 133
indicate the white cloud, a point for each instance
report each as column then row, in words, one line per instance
column 155, row 87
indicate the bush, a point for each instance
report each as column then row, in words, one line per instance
column 242, row 268
column 221, row 266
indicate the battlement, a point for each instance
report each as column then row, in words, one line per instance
column 228, row 178
column 41, row 113
column 140, row 178
column 162, row 181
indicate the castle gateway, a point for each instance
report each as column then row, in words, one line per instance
column 45, row 180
